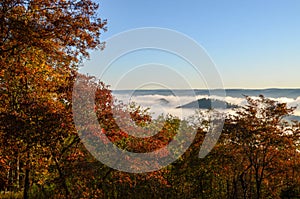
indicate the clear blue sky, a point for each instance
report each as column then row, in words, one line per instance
column 254, row 44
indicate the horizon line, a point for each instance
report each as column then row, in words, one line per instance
column 268, row 88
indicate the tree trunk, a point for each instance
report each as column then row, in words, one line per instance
column 18, row 172
column 244, row 185
column 63, row 179
column 27, row 181
column 235, row 189
column 8, row 177
column 258, row 183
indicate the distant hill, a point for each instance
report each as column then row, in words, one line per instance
column 205, row 103
column 163, row 101
column 292, row 118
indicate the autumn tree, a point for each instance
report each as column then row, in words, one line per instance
column 41, row 45
column 257, row 144
column 257, row 156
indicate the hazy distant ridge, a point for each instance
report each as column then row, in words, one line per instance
column 205, row 103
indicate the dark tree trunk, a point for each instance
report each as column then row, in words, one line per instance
column 26, row 181
column 63, row 179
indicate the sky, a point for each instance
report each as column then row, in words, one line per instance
column 253, row 44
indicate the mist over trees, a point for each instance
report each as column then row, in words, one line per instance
column 41, row 154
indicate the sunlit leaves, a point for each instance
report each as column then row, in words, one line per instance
column 41, row 45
